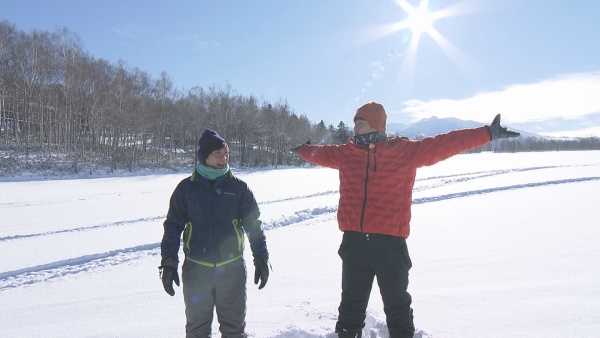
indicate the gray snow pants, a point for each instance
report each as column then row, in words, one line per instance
column 206, row 288
column 365, row 257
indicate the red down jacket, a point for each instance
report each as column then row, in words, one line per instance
column 376, row 183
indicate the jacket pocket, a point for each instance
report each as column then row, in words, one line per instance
column 239, row 233
column 187, row 235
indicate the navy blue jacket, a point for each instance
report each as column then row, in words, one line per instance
column 213, row 216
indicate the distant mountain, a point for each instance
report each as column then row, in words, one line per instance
column 433, row 126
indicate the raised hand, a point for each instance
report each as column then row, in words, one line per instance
column 497, row 131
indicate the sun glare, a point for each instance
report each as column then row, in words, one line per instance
column 419, row 21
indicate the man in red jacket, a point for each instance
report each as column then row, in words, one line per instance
column 377, row 175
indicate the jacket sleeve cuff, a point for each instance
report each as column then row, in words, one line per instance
column 170, row 261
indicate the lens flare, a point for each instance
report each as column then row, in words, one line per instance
column 418, row 22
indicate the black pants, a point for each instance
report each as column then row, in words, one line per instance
column 364, row 257
column 207, row 288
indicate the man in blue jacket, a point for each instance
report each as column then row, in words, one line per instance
column 213, row 209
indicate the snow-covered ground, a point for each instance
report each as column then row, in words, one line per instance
column 503, row 245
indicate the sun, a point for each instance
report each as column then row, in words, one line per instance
column 416, row 22
column 419, row 20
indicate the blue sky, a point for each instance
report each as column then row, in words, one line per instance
column 535, row 61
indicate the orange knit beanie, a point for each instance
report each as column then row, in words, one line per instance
column 374, row 113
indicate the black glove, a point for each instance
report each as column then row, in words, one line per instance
column 296, row 150
column 261, row 273
column 496, row 131
column 168, row 273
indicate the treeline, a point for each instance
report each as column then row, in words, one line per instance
column 545, row 144
column 62, row 109
column 58, row 104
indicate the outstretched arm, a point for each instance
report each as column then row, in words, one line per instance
column 497, row 131
column 296, row 150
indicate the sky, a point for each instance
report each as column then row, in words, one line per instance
column 80, row 256
column 536, row 61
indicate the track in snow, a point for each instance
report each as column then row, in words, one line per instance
column 91, row 262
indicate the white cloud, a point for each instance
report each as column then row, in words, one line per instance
column 569, row 96
column 133, row 31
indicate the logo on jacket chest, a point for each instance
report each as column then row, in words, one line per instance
column 220, row 191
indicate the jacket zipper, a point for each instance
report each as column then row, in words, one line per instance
column 364, row 205
column 212, row 207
